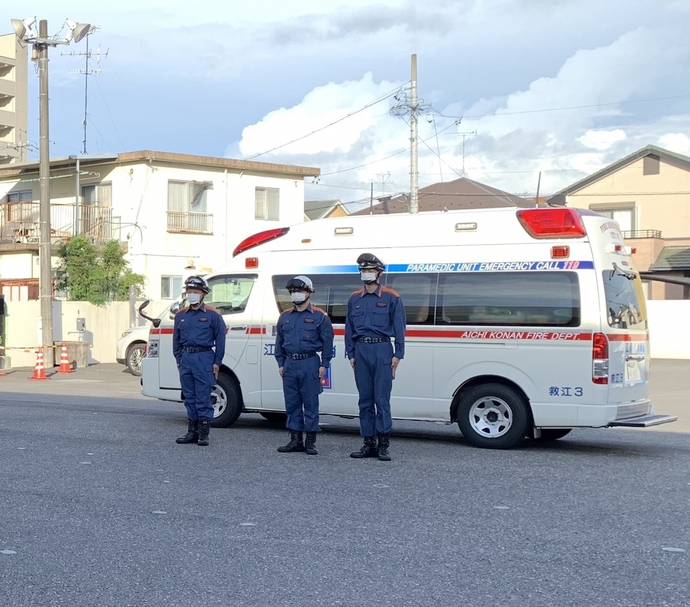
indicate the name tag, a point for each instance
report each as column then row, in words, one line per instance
column 204, row 319
column 381, row 304
column 308, row 320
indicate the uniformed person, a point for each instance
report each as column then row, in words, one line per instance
column 375, row 315
column 198, row 347
column 302, row 332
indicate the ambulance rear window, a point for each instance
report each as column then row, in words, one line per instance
column 625, row 302
column 532, row 299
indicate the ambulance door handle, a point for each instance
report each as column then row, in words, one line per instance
column 238, row 328
column 639, row 357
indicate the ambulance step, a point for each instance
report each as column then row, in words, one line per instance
column 645, row 421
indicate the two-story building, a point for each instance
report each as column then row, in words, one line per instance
column 175, row 214
column 648, row 194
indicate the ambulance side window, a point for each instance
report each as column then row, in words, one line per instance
column 418, row 294
column 230, row 294
column 537, row 299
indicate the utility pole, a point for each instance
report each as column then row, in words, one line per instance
column 40, row 41
column 412, row 106
column 45, row 278
column 414, row 169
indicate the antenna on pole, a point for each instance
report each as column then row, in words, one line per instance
column 88, row 72
column 464, row 136
column 412, row 106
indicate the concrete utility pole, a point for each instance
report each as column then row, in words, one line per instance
column 45, row 279
column 40, row 41
column 414, row 169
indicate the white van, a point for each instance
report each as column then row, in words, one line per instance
column 520, row 323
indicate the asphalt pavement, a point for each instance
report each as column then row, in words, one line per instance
column 100, row 507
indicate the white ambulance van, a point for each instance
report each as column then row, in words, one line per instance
column 520, row 322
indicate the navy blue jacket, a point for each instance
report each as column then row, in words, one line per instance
column 377, row 314
column 303, row 333
column 200, row 328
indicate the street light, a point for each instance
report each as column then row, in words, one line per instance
column 40, row 41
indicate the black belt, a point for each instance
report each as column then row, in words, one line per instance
column 301, row 356
column 372, row 340
column 195, row 349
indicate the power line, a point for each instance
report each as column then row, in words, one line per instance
column 328, row 125
column 557, row 109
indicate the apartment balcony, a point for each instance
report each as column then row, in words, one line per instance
column 628, row 234
column 20, row 223
column 183, row 222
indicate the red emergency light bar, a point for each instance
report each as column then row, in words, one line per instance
column 260, row 238
column 552, row 223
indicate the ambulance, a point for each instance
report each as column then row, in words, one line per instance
column 520, row 322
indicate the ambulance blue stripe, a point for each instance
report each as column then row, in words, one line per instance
column 475, row 266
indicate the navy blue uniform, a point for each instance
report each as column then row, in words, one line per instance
column 300, row 336
column 196, row 334
column 373, row 320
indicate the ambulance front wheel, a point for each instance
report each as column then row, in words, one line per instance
column 493, row 416
column 227, row 401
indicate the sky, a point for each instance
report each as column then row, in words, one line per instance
column 515, row 94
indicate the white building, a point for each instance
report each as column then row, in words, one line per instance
column 14, row 95
column 175, row 214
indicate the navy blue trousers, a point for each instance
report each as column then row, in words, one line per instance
column 374, row 379
column 197, row 381
column 301, row 387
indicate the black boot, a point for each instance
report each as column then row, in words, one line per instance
column 294, row 445
column 384, row 456
column 204, row 428
column 310, row 443
column 192, row 434
column 368, row 449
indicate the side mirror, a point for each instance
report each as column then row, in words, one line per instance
column 155, row 321
column 174, row 309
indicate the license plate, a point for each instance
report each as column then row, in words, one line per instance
column 632, row 371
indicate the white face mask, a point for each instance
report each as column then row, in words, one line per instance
column 298, row 298
column 368, row 277
column 193, row 298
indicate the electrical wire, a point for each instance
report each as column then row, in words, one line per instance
column 391, row 94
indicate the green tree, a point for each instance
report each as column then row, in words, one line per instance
column 99, row 274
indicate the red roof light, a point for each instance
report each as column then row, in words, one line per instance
column 260, row 238
column 552, row 223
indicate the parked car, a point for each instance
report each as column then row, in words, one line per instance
column 131, row 348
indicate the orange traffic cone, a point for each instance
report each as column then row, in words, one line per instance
column 39, row 369
column 65, row 367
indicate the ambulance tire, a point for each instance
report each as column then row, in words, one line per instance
column 548, row 434
column 227, row 393
column 274, row 417
column 493, row 416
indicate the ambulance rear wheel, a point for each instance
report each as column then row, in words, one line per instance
column 227, row 402
column 493, row 416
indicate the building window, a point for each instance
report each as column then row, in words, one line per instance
column 21, row 196
column 651, row 165
column 266, row 204
column 624, row 216
column 171, row 287
column 187, row 207
column 98, row 195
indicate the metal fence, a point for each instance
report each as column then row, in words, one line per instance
column 186, row 222
column 642, row 234
column 20, row 222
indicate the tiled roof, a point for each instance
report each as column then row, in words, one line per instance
column 672, row 258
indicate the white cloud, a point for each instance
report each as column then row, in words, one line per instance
column 601, row 140
column 676, row 142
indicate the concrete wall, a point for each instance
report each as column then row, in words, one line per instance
column 669, row 329
column 104, row 325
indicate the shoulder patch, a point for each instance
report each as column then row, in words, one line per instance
column 317, row 309
column 288, row 311
column 183, row 309
column 391, row 291
column 212, row 309
column 358, row 292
